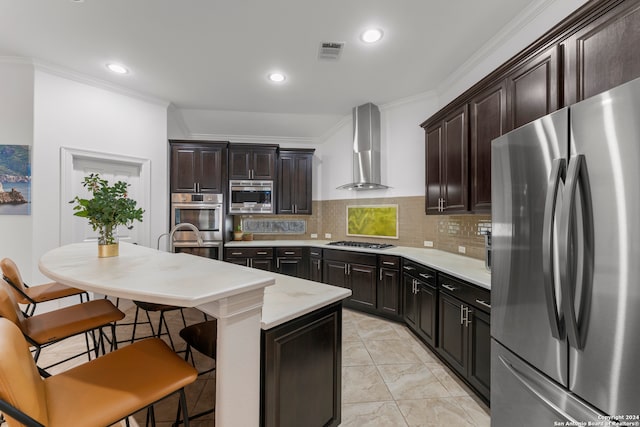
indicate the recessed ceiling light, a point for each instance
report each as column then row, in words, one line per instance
column 277, row 77
column 117, row 68
column 372, row 35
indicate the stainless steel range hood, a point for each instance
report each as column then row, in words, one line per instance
column 366, row 149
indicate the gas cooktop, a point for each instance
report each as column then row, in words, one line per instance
column 366, row 245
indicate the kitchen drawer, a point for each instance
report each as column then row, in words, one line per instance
column 419, row 271
column 389, row 261
column 315, row 252
column 248, row 253
column 350, row 257
column 288, row 252
column 468, row 293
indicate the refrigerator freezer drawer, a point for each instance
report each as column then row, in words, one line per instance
column 522, row 396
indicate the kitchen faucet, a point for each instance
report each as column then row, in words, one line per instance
column 179, row 227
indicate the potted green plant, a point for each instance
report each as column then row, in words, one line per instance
column 237, row 235
column 109, row 208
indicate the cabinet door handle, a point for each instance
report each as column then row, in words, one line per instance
column 462, row 311
column 345, row 270
column 426, row 276
column 278, row 263
column 468, row 318
column 449, row 287
column 483, row 303
column 319, row 262
column 381, row 275
column 194, row 188
column 250, row 262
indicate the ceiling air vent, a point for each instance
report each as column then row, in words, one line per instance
column 330, row 50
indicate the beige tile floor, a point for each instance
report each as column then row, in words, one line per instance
column 389, row 378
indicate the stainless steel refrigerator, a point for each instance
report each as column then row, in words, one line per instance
column 565, row 285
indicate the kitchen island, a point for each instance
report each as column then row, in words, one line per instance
column 234, row 295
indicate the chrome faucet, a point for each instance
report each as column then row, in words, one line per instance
column 179, row 227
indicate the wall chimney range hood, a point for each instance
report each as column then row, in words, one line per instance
column 366, row 149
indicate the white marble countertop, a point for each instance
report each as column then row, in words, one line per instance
column 141, row 273
column 465, row 268
column 291, row 298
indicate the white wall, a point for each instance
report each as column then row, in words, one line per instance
column 71, row 114
column 16, row 127
column 401, row 152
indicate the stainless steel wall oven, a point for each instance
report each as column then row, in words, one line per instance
column 205, row 211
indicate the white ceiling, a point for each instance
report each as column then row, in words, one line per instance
column 204, row 55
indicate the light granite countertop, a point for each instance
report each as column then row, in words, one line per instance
column 465, row 268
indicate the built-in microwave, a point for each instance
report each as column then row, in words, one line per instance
column 250, row 196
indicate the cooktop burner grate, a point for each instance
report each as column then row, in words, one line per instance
column 367, row 245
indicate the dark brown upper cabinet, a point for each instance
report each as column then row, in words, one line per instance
column 604, row 53
column 294, row 181
column 591, row 51
column 248, row 161
column 488, row 120
column 198, row 167
column 533, row 88
column 447, row 163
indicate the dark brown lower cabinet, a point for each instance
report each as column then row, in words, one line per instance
column 355, row 271
column 420, row 301
column 301, row 371
column 464, row 333
column 260, row 258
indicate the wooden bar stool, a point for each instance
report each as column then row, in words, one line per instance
column 162, row 309
column 203, row 338
column 32, row 295
column 95, row 394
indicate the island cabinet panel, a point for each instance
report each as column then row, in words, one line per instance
column 249, row 161
column 294, row 181
column 464, row 333
column 488, row 119
column 533, row 88
column 301, row 371
column 198, row 167
column 603, row 54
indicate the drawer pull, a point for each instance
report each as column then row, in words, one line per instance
column 315, row 253
column 261, row 253
column 408, row 268
column 388, row 263
column 426, row 276
column 289, row 253
column 449, row 287
column 237, row 253
column 483, row 303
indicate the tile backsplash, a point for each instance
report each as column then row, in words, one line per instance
column 447, row 232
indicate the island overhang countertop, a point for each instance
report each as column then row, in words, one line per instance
column 184, row 280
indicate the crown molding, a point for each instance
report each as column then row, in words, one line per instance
column 423, row 96
column 69, row 74
column 528, row 14
column 253, row 139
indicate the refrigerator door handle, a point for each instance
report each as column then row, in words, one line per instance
column 577, row 259
column 558, row 172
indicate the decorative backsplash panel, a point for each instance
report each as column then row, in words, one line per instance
column 274, row 226
column 373, row 220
